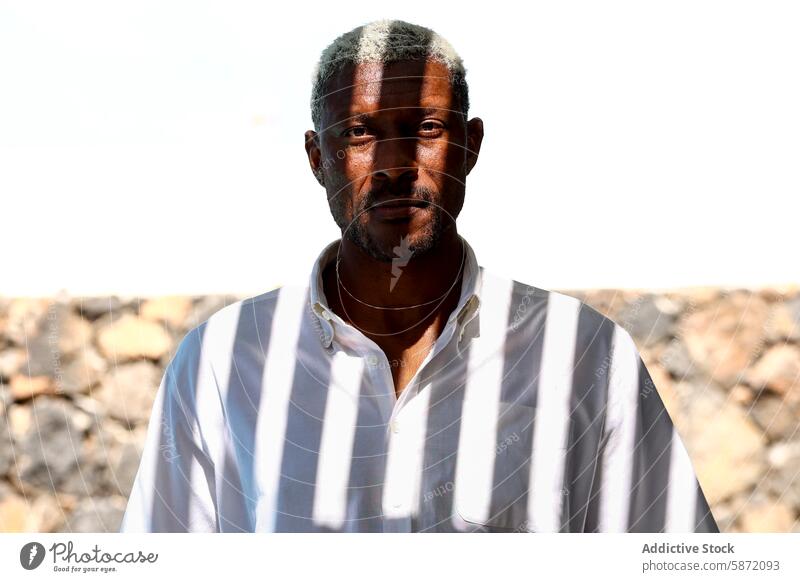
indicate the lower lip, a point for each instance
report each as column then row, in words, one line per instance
column 395, row 211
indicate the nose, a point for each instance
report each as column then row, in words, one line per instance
column 395, row 163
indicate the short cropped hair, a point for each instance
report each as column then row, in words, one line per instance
column 386, row 41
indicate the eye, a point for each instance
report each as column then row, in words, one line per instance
column 356, row 131
column 431, row 127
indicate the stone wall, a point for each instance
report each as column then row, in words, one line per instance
column 78, row 377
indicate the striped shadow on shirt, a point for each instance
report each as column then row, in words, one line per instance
column 441, row 445
column 588, row 404
column 547, row 503
column 651, row 459
column 368, row 456
column 302, row 438
column 475, row 484
column 242, row 396
column 336, row 445
column 524, row 341
column 174, row 476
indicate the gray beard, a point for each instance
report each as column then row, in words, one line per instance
column 356, row 233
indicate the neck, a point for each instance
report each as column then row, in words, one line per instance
column 421, row 293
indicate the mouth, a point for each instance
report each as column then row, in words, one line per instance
column 398, row 209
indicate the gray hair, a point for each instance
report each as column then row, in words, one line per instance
column 386, row 41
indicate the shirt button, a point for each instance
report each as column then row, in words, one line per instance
column 395, row 427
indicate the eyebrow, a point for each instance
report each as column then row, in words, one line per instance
column 365, row 117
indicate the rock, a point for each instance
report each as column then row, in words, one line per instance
column 42, row 357
column 170, row 309
column 670, row 305
column 52, row 453
column 93, row 478
column 128, row 391
column 727, row 450
column 19, row 420
column 206, row 307
column 23, row 318
column 676, row 360
column 778, row 370
column 724, row 338
column 96, row 516
column 13, row 514
column 784, row 321
column 82, row 421
column 71, row 332
column 41, row 514
column 785, row 455
column 95, row 307
column 132, row 337
column 779, row 292
column 126, row 466
column 778, row 419
column 742, row 395
column 645, row 321
column 784, row 478
column 59, row 335
column 728, row 513
column 82, row 373
column 6, row 448
column 768, row 517
column 23, row 387
column 700, row 296
column 11, row 361
column 90, row 406
column 46, row 514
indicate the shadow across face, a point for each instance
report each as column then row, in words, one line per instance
column 393, row 151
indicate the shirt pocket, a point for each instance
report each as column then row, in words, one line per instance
column 502, row 501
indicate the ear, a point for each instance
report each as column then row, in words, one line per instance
column 314, row 155
column 474, row 140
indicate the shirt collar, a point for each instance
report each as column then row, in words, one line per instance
column 465, row 311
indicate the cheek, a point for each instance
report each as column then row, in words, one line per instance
column 442, row 162
column 357, row 168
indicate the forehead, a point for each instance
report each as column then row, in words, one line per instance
column 371, row 87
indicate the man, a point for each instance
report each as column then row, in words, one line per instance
column 406, row 388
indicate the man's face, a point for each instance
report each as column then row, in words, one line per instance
column 394, row 136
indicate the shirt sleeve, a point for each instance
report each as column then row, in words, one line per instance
column 648, row 481
column 173, row 490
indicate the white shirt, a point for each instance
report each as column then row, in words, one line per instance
column 532, row 412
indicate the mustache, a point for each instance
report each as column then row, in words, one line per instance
column 419, row 193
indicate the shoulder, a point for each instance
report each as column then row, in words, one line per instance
column 214, row 337
column 534, row 305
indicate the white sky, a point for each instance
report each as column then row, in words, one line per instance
column 157, row 147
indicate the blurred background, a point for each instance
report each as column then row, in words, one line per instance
column 640, row 156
